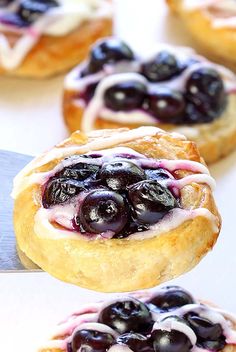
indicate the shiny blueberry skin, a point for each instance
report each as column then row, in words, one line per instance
column 103, row 210
column 157, row 174
column 136, row 342
column 90, row 340
column 171, row 297
column 60, row 190
column 117, row 175
column 126, row 316
column 150, row 201
column 125, row 96
column 109, row 51
column 89, row 92
column 167, row 105
column 80, row 171
column 209, row 335
column 30, row 10
column 130, row 228
column 163, row 67
column 170, row 341
column 205, row 95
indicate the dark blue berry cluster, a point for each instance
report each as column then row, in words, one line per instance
column 202, row 99
column 132, row 320
column 120, row 196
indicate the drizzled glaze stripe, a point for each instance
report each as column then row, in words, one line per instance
column 101, row 142
column 213, row 314
column 96, row 107
column 226, row 11
column 57, row 21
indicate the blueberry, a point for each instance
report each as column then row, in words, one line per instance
column 90, row 340
column 130, row 228
column 209, row 335
column 170, row 341
column 109, row 51
column 126, row 316
column 69, row 348
column 59, row 190
column 205, row 95
column 163, row 67
column 125, row 96
column 136, row 342
column 89, row 92
column 117, row 175
column 80, row 171
column 30, row 10
column 167, row 105
column 151, row 201
column 157, row 174
column 171, row 297
column 103, row 210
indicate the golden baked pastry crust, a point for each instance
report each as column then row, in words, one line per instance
column 219, row 44
column 120, row 265
column 54, row 55
column 215, row 140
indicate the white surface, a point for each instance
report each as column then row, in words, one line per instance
column 30, row 120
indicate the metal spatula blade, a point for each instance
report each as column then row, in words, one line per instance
column 10, row 163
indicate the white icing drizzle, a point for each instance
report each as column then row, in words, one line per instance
column 175, row 218
column 101, row 142
column 97, row 327
column 173, row 324
column 96, row 104
column 127, row 71
column 85, row 320
column 58, row 21
column 45, row 229
column 64, row 214
column 198, row 178
column 225, row 7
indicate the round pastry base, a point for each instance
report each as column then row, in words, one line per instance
column 26, row 261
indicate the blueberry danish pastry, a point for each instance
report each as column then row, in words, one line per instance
column 212, row 24
column 116, row 210
column 42, row 38
column 172, row 88
column 170, row 319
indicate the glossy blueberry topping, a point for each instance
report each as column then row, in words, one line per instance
column 171, row 297
column 60, row 190
column 126, row 316
column 117, row 175
column 150, row 201
column 119, row 197
column 135, row 325
column 209, row 335
column 170, row 341
column 205, row 94
column 89, row 92
column 163, row 67
column 80, row 171
column 91, row 340
column 167, row 105
column 157, row 174
column 136, row 342
column 30, row 10
column 103, row 210
column 131, row 227
column 125, row 96
column 109, row 51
